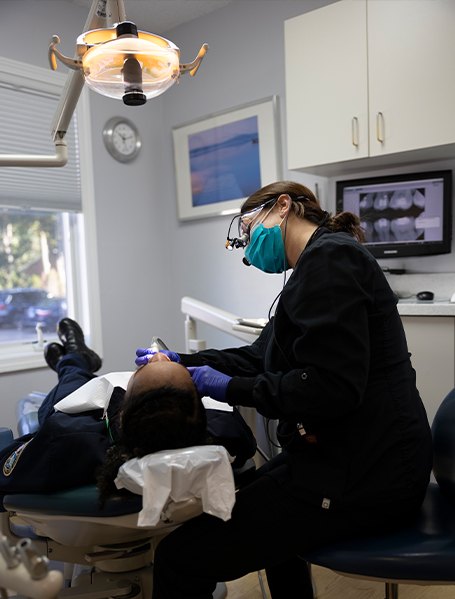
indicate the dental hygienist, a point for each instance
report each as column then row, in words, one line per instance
column 333, row 367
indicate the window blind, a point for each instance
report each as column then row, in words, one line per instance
column 25, row 128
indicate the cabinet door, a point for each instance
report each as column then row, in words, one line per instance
column 431, row 341
column 326, row 85
column 411, row 46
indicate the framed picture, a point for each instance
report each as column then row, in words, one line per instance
column 223, row 158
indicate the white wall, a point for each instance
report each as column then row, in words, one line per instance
column 148, row 259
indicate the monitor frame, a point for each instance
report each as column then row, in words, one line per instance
column 397, row 249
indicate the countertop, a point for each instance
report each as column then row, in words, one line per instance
column 412, row 307
column 406, row 286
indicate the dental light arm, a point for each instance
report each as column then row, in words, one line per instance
column 70, row 95
column 114, row 13
column 60, row 158
column 114, row 59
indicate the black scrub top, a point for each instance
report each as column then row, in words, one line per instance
column 334, row 368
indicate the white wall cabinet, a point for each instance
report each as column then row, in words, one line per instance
column 370, row 79
column 431, row 341
column 327, row 103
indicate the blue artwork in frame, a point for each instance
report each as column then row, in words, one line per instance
column 222, row 159
column 225, row 162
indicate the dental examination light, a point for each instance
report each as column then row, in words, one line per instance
column 116, row 60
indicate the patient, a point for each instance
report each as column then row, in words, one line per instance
column 159, row 410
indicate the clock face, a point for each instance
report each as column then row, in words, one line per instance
column 124, row 139
column 121, row 139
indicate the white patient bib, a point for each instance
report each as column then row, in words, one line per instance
column 93, row 395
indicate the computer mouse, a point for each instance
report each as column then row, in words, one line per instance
column 425, row 296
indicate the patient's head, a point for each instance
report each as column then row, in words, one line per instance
column 162, row 409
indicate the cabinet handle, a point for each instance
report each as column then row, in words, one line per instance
column 380, row 127
column 355, row 131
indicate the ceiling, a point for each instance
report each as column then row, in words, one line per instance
column 159, row 16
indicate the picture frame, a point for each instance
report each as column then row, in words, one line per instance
column 223, row 158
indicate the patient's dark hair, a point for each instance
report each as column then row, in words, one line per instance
column 165, row 418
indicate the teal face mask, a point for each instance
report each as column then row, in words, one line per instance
column 266, row 249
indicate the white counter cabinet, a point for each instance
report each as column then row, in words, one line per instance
column 431, row 341
column 368, row 83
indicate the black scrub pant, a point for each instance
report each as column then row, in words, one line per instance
column 269, row 528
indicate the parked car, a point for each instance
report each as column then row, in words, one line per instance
column 15, row 302
column 47, row 311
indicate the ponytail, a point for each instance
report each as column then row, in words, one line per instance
column 346, row 222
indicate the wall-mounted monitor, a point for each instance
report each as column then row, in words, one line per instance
column 402, row 215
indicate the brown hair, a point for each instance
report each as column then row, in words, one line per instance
column 306, row 205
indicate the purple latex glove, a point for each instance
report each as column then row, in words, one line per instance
column 210, row 382
column 143, row 355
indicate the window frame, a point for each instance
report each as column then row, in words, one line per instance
column 16, row 356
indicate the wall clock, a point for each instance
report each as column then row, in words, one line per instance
column 121, row 139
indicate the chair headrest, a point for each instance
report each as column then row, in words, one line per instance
column 443, row 430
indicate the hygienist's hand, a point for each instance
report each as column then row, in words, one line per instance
column 210, row 382
column 143, row 355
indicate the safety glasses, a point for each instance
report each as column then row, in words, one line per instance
column 244, row 223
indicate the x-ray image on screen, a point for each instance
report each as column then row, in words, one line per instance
column 395, row 215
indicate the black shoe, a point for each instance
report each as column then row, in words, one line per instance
column 72, row 337
column 52, row 354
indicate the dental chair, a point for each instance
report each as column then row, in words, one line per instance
column 103, row 552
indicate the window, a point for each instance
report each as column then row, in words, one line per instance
column 43, row 272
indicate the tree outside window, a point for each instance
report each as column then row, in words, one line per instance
column 32, row 273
